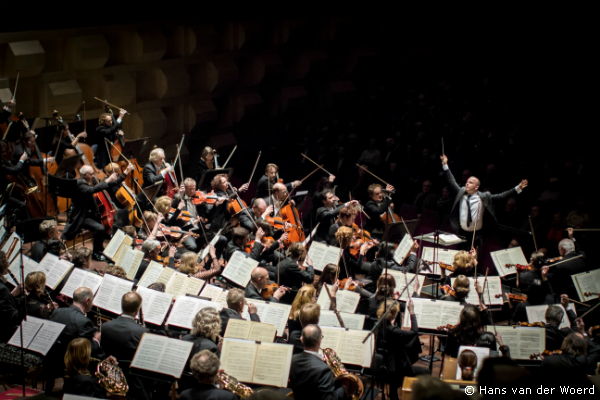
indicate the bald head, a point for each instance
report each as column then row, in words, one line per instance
column 131, row 303
column 472, row 185
column 260, row 277
column 259, row 207
column 86, row 169
column 83, row 298
column 278, row 190
column 311, row 337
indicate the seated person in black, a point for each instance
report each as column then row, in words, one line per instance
column 78, row 379
column 39, row 304
column 310, row 313
column 494, row 343
column 151, row 249
column 66, row 143
column 537, row 293
column 205, row 367
column 348, row 263
column 554, row 316
column 49, row 230
column 239, row 239
column 11, row 311
column 466, row 332
column 534, row 274
column 376, row 206
column 386, row 255
column 206, row 162
column 580, row 355
column 463, row 264
column 121, row 216
column 258, row 282
column 290, row 273
column 235, row 304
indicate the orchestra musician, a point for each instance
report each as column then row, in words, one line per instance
column 49, row 230
column 258, row 282
column 121, row 337
column 291, row 274
column 39, row 303
column 85, row 214
column 152, row 174
column 78, row 380
column 385, row 255
column 189, row 265
column 7, row 169
column 560, row 276
column 107, row 129
column 206, row 162
column 350, row 266
column 537, row 293
column 554, row 316
column 219, row 214
column 579, row 357
column 467, row 215
column 307, row 294
column 279, row 194
column 152, row 249
column 205, row 367
column 464, row 263
column 121, row 217
column 62, row 136
column 259, row 212
column 27, row 145
column 347, row 215
column 310, row 376
column 267, row 182
column 328, row 212
column 377, row 205
column 11, row 310
column 235, row 304
column 310, row 313
column 240, row 238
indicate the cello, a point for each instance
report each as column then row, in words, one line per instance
column 171, row 187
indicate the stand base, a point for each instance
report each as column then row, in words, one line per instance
column 428, row 357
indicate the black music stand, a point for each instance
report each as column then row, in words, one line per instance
column 152, row 190
column 209, row 174
column 132, row 149
column 62, row 187
column 29, row 229
column 67, row 165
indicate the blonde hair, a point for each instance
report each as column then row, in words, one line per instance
column 81, row 255
column 310, row 314
column 150, row 216
column 163, row 205
column 462, row 261
column 47, row 226
column 117, row 271
column 35, row 281
column 207, row 323
column 129, row 230
column 305, row 295
column 111, row 167
column 154, row 154
column 188, row 263
column 344, row 236
column 77, row 357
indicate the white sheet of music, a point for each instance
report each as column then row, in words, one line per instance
column 250, row 330
column 131, row 262
column 212, row 292
column 493, row 286
column 323, row 299
column 270, row 313
column 38, row 334
column 238, row 358
column 81, row 278
column 15, row 268
column 186, row 308
column 523, row 341
column 181, row 284
column 214, row 241
column 445, row 256
column 346, row 301
column 17, row 247
column 586, row 282
column 114, row 244
column 162, row 354
column 508, row 256
column 151, row 274
column 347, row 343
column 402, row 279
column 322, row 254
column 54, row 268
column 481, row 352
column 432, row 314
column 403, row 249
column 239, row 268
column 111, row 292
column 538, row 314
column 351, row 321
column 155, row 305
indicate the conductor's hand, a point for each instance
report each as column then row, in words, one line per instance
column 259, row 234
column 444, row 159
column 23, row 157
column 252, row 308
column 523, row 184
column 112, row 178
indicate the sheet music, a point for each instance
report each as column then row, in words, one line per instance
column 239, row 268
column 131, row 262
column 481, row 352
column 111, row 292
column 272, row 366
column 523, row 341
column 351, row 321
column 15, row 268
column 54, row 268
column 114, row 244
column 186, row 308
column 403, row 249
column 432, row 314
column 493, row 286
column 165, row 275
column 39, row 335
column 323, row 298
column 161, row 354
column 348, row 345
column 270, row 313
column 587, row 282
column 7, row 246
column 212, row 292
column 401, row 281
column 238, row 358
column 508, row 256
column 250, row 330
column 151, row 274
column 538, row 314
column 449, row 239
column 155, row 305
column 322, row 254
column 214, row 241
column 445, row 256
column 81, row 278
column 346, row 301
column 181, row 284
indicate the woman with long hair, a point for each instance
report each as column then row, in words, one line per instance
column 306, row 294
column 189, row 265
column 78, row 379
column 466, row 333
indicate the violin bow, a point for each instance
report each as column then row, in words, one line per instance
column 253, row 169
column 116, row 148
column 366, row 170
column 587, row 312
column 563, row 261
column 108, row 104
column 229, row 158
column 16, row 85
column 245, row 208
column 443, row 152
column 328, row 173
column 180, row 167
column 532, row 233
column 177, row 158
column 140, row 208
column 301, row 180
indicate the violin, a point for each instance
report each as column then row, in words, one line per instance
column 552, row 260
column 175, row 232
column 587, row 294
column 532, row 324
column 352, row 285
column 208, row 198
column 517, row 298
column 268, row 291
column 356, row 244
column 446, row 266
column 519, row 267
column 360, row 232
column 266, row 241
column 446, row 327
column 448, row 290
column 545, row 353
column 183, row 215
column 276, row 222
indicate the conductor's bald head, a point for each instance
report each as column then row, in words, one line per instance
column 83, row 298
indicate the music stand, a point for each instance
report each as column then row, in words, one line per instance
column 67, row 165
column 12, row 133
column 132, row 149
column 5, row 196
column 209, row 174
column 152, row 190
column 29, row 229
column 63, row 187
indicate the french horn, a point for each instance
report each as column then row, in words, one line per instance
column 341, row 374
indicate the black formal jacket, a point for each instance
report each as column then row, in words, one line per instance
column 83, row 385
column 207, row 392
column 374, row 211
column 311, row 378
column 219, row 215
column 555, row 336
column 202, row 168
column 37, row 307
column 38, row 250
column 252, row 292
column 110, row 133
column 11, row 313
column 151, row 175
column 228, row 313
column 84, row 205
column 560, row 276
column 77, row 325
column 400, row 346
column 378, row 266
column 580, row 365
column 231, row 248
column 121, row 337
column 200, row 343
column 291, row 276
column 489, row 216
column 7, row 169
column 262, row 188
column 18, row 150
column 326, row 218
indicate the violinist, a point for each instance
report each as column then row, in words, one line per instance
column 466, row 332
column 258, row 282
column 279, row 194
column 291, row 274
column 327, row 214
column 537, row 293
column 218, row 214
column 11, row 312
column 350, row 266
column 461, row 288
column 62, row 136
column 121, row 217
column 152, row 174
column 463, row 264
column 189, row 265
column 130, row 231
column 386, row 255
column 39, row 303
column 259, row 212
column 107, row 129
column 240, row 238
column 554, row 316
column 376, row 207
column 268, row 181
column 163, row 206
column 347, row 216
column 534, row 274
column 579, row 356
column 27, row 145
column 49, row 230
column 85, row 214
column 151, row 249
column 560, row 276
column 207, row 161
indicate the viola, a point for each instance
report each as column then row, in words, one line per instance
column 352, row 286
column 208, row 198
column 448, row 290
column 266, row 241
column 276, row 222
column 552, row 260
column 183, row 215
column 360, row 232
column 519, row 267
column 356, row 244
column 517, row 298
